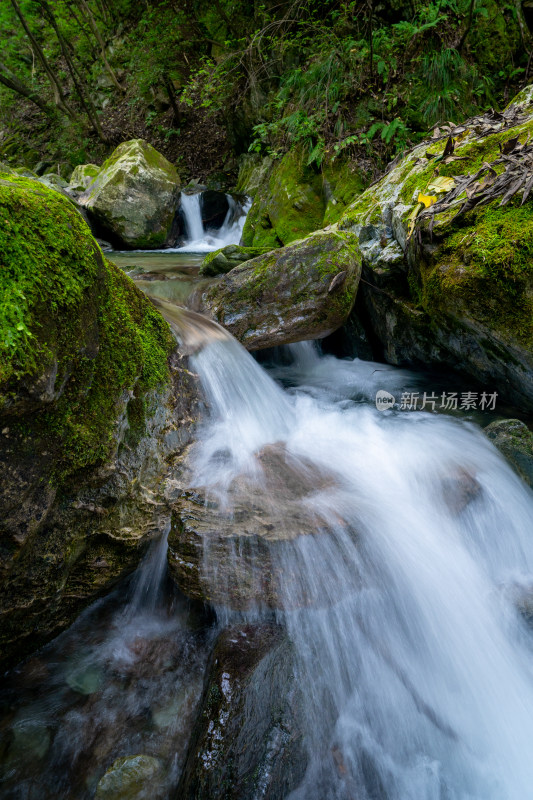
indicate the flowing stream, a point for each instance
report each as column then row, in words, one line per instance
column 415, row 664
column 412, row 650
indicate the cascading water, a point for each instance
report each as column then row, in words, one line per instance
column 200, row 240
column 415, row 664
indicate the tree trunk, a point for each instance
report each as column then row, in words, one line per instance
column 86, row 102
column 8, row 79
column 82, row 5
column 59, row 97
column 172, row 97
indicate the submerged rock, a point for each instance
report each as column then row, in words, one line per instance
column 237, row 552
column 248, row 741
column 131, row 778
column 453, row 286
column 93, row 398
column 303, row 291
column 221, row 261
column 514, row 439
column 133, row 199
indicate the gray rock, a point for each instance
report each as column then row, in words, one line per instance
column 248, row 741
column 134, row 197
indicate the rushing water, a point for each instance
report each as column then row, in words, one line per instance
column 200, row 240
column 415, row 663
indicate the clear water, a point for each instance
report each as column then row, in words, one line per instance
column 415, row 664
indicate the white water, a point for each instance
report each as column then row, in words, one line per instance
column 200, row 240
column 416, row 669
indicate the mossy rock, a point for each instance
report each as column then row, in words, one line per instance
column 133, row 199
column 303, row 291
column 223, row 260
column 468, row 278
column 82, row 177
column 287, row 206
column 514, row 439
column 84, row 380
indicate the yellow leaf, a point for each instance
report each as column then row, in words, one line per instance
column 441, row 184
column 462, row 135
column 427, row 200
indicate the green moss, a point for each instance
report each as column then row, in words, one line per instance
column 343, row 182
column 65, row 305
column 486, row 262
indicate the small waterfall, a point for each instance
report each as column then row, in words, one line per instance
column 415, row 665
column 200, row 240
column 192, row 215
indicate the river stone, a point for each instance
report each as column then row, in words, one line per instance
column 131, row 778
column 238, row 553
column 458, row 293
column 248, row 739
column 221, row 261
column 514, row 439
column 134, row 197
column 303, row 291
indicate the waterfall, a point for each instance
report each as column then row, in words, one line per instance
column 415, row 665
column 192, row 215
column 200, row 240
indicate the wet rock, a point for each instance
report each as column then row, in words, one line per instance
column 458, row 291
column 84, row 441
column 514, row 439
column 248, row 740
column 237, row 553
column 131, row 778
column 132, row 201
column 214, row 207
column 284, row 296
column 222, row 261
column 459, row 490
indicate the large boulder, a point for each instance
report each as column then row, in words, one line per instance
column 303, row 291
column 133, row 199
column 248, row 742
column 292, row 199
column 452, row 284
column 92, row 398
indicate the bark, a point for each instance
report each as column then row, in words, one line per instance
column 59, row 97
column 9, row 80
column 172, row 97
column 84, row 8
column 86, row 102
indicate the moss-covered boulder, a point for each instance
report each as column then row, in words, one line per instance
column 452, row 284
column 133, row 199
column 292, row 199
column 89, row 409
column 514, row 439
column 303, row 291
column 249, row 738
column 287, row 205
column 221, row 261
column 82, row 176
